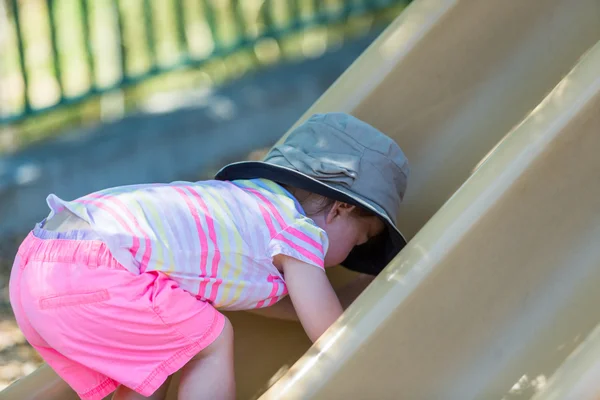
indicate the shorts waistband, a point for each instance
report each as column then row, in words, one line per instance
column 66, row 247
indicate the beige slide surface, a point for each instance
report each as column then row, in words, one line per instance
column 579, row 376
column 494, row 293
column 499, row 284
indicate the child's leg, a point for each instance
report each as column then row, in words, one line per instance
column 124, row 393
column 210, row 375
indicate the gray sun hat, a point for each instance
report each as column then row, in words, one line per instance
column 343, row 158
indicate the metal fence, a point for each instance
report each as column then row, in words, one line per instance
column 60, row 52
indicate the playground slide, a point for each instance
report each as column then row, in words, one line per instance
column 500, row 286
column 462, row 312
column 579, row 376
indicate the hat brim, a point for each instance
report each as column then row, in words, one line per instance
column 369, row 258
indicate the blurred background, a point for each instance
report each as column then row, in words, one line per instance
column 99, row 93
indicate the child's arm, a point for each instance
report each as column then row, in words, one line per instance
column 284, row 309
column 312, row 296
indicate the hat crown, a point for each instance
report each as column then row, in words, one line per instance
column 349, row 154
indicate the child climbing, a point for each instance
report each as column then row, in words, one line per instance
column 121, row 288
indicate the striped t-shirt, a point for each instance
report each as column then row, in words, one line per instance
column 215, row 239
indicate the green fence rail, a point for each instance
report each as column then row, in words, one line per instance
column 61, row 52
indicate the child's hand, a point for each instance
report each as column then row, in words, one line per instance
column 313, row 298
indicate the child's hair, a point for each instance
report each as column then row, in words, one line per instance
column 314, row 204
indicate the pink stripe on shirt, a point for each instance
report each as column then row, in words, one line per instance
column 267, row 218
column 212, row 234
column 136, row 241
column 147, row 241
column 300, row 249
column 293, row 231
column 273, row 293
column 201, row 236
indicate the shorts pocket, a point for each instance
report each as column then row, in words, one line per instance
column 73, row 299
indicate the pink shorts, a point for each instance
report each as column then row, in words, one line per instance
column 97, row 324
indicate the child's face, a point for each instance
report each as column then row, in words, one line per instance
column 346, row 229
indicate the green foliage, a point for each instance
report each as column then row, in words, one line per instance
column 83, row 59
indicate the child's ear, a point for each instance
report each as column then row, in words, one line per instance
column 339, row 209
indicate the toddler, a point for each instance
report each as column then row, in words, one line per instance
column 119, row 289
